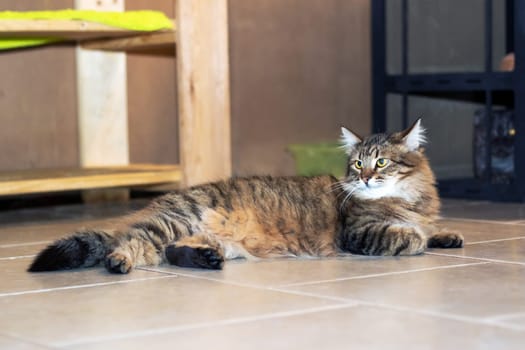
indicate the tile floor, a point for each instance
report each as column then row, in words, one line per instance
column 471, row 298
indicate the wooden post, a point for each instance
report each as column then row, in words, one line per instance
column 203, row 90
column 102, row 106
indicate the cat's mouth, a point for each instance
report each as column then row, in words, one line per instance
column 370, row 184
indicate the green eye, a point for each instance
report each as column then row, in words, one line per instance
column 358, row 164
column 382, row 162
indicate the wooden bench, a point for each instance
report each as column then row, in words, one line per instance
column 203, row 93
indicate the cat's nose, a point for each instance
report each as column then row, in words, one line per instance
column 365, row 179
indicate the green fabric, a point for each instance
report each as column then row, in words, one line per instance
column 144, row 20
column 319, row 158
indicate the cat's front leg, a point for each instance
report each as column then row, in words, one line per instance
column 384, row 239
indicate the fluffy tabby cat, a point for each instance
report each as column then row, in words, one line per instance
column 385, row 205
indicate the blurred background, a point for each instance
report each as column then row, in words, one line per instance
column 299, row 69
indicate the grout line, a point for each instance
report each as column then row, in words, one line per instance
column 382, row 274
column 17, row 257
column 461, row 318
column 46, row 290
column 517, row 222
column 480, row 259
column 313, row 295
column 496, row 240
column 23, row 244
column 239, row 284
column 182, row 274
column 505, row 317
column 224, row 322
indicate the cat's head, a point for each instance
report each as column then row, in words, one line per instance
column 387, row 165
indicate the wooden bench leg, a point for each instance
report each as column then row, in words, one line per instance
column 204, row 90
column 102, row 106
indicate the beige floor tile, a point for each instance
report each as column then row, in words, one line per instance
column 418, row 302
column 483, row 210
column 509, row 250
column 10, row 343
column 45, row 232
column 15, row 279
column 482, row 291
column 123, row 309
column 358, row 327
column 21, row 250
column 267, row 273
column 62, row 213
column 475, row 231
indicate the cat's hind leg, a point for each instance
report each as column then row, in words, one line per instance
column 142, row 243
column 445, row 239
column 133, row 251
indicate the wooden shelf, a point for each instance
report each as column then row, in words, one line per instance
column 93, row 35
column 205, row 73
column 163, row 41
column 53, row 180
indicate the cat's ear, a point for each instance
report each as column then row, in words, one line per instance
column 414, row 137
column 349, row 139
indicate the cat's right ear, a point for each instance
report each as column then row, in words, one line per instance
column 349, row 140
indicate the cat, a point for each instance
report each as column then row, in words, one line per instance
column 387, row 204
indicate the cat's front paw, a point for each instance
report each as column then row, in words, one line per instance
column 392, row 240
column 119, row 262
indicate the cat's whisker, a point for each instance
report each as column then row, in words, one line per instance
column 338, row 184
column 348, row 196
column 341, row 187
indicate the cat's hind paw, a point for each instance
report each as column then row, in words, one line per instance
column 446, row 239
column 199, row 257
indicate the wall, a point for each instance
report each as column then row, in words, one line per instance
column 152, row 99
column 37, row 105
column 299, row 70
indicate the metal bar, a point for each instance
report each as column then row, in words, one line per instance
column 404, row 58
column 519, row 97
column 488, row 36
column 378, row 22
column 488, row 92
column 509, row 26
column 450, row 82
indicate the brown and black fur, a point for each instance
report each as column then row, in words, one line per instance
column 261, row 217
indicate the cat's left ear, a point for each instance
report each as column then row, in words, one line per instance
column 349, row 140
column 414, row 137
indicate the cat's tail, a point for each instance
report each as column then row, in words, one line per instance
column 82, row 249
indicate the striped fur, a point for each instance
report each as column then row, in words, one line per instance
column 261, row 217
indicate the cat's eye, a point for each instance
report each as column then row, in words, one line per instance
column 382, row 162
column 358, row 164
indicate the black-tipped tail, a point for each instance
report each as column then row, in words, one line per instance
column 83, row 249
